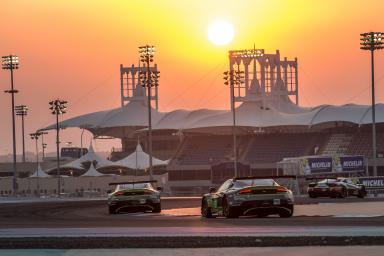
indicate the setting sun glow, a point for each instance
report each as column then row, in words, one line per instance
column 220, row 32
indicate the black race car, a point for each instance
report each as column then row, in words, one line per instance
column 134, row 196
column 336, row 187
column 248, row 196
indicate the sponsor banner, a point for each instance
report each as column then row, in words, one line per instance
column 351, row 163
column 314, row 165
column 318, row 165
column 373, row 182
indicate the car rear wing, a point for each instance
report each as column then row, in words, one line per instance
column 326, row 177
column 266, row 177
column 132, row 182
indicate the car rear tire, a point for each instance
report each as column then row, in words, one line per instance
column 157, row 208
column 362, row 193
column 312, row 195
column 229, row 212
column 112, row 210
column 286, row 213
column 343, row 193
column 205, row 210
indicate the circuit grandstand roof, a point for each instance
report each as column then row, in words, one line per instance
column 282, row 112
column 131, row 117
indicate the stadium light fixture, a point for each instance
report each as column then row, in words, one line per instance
column 234, row 78
column 11, row 62
column 149, row 79
column 22, row 111
column 372, row 41
column 58, row 107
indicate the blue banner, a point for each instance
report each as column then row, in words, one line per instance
column 352, row 163
column 319, row 165
column 373, row 182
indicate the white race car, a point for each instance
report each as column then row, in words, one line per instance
column 339, row 187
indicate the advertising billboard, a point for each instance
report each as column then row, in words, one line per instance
column 317, row 165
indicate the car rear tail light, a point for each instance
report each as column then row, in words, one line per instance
column 245, row 191
column 119, row 193
column 281, row 190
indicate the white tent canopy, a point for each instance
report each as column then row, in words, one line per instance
column 92, row 172
column 137, row 160
column 89, row 157
column 39, row 173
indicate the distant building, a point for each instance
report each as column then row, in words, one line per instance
column 73, row 152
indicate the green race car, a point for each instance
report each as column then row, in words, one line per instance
column 248, row 196
column 134, row 196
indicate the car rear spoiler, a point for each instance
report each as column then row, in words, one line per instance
column 132, row 182
column 322, row 177
column 266, row 177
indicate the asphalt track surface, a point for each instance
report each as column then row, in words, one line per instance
column 93, row 213
column 265, row 251
column 87, row 224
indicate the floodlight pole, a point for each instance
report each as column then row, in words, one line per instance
column 11, row 62
column 374, row 149
column 58, row 107
column 58, row 155
column 13, row 91
column 43, row 145
column 372, row 41
column 22, row 131
column 37, row 150
column 149, row 94
column 21, row 110
column 234, row 124
column 35, row 136
column 149, row 80
column 231, row 78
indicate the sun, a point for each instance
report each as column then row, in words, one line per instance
column 220, row 32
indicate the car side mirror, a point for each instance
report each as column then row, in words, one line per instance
column 212, row 190
column 159, row 188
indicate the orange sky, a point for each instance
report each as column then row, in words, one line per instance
column 72, row 49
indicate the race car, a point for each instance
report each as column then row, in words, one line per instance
column 134, row 196
column 336, row 187
column 248, row 196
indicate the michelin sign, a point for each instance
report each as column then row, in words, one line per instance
column 323, row 165
column 373, row 182
column 349, row 163
column 318, row 165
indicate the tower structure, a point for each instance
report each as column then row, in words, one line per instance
column 267, row 78
column 131, row 89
